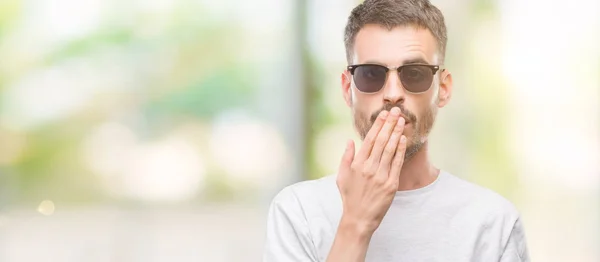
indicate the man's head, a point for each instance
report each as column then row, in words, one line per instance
column 394, row 33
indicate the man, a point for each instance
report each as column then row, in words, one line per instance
column 388, row 202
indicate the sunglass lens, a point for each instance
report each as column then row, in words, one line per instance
column 370, row 78
column 416, row 78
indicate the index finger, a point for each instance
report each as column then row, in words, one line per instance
column 369, row 141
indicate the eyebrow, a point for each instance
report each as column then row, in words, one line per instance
column 418, row 60
column 415, row 61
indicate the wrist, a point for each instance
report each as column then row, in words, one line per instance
column 351, row 241
column 356, row 229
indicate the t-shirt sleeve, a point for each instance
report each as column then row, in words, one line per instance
column 288, row 237
column 516, row 247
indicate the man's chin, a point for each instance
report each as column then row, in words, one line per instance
column 412, row 149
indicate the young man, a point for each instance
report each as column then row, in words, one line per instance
column 388, row 202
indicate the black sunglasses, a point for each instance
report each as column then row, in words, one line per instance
column 415, row 78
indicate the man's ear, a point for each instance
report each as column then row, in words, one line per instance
column 445, row 88
column 346, row 78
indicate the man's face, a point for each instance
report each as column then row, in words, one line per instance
column 393, row 48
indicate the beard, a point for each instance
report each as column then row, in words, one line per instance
column 421, row 126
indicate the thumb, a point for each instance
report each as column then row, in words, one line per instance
column 348, row 157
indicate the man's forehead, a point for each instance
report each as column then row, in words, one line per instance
column 396, row 46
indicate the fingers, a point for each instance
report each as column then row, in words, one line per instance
column 384, row 136
column 369, row 140
column 390, row 148
column 347, row 158
column 398, row 160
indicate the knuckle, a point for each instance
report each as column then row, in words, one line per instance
column 354, row 167
column 368, row 173
column 379, row 180
column 368, row 164
column 392, row 187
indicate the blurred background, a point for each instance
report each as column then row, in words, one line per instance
column 159, row 130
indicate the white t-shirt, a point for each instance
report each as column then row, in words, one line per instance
column 448, row 220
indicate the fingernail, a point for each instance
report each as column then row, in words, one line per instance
column 401, row 121
column 395, row 111
column 384, row 114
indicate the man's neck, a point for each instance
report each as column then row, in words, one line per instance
column 417, row 172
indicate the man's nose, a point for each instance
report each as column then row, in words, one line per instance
column 393, row 91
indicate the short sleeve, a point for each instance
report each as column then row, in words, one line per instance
column 288, row 237
column 516, row 247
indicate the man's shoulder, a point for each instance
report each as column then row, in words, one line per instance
column 324, row 185
column 480, row 198
column 309, row 192
column 487, row 209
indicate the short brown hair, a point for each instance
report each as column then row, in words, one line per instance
column 393, row 13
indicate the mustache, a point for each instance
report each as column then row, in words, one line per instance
column 411, row 117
